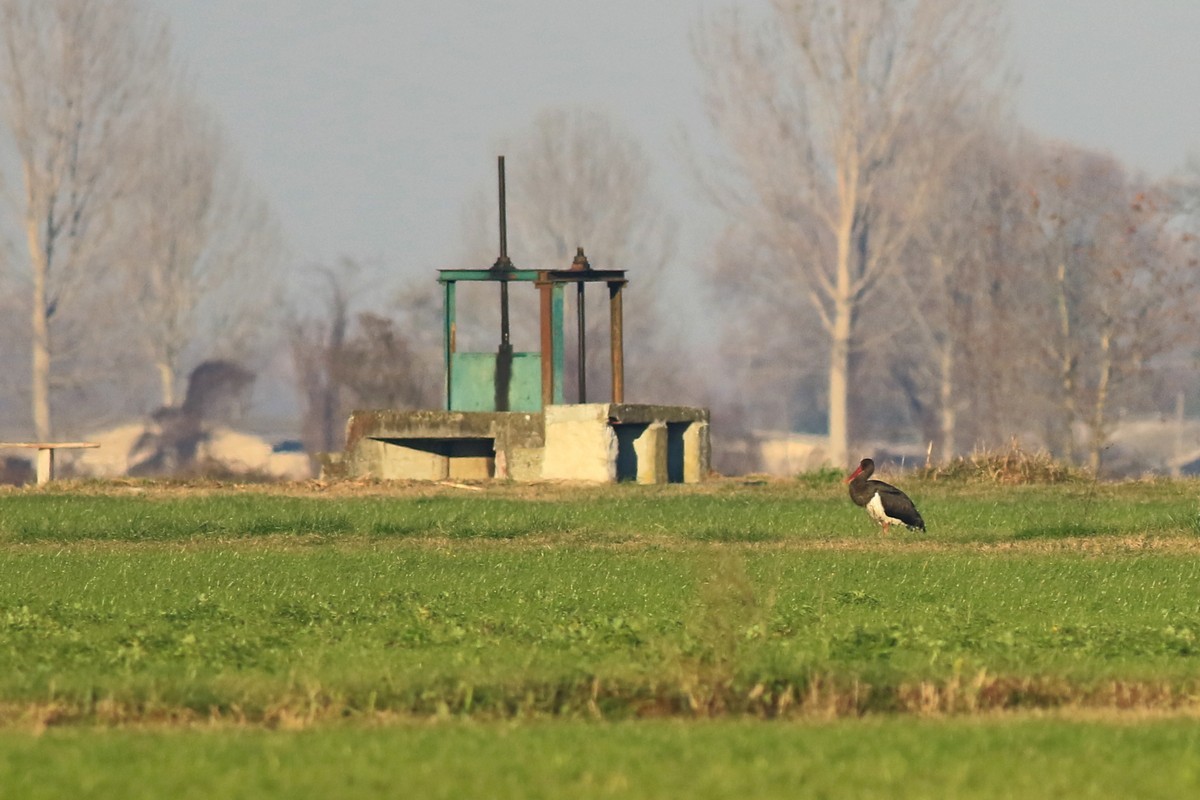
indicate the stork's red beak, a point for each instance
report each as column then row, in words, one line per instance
column 855, row 474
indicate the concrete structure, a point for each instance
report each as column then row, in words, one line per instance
column 596, row 442
column 608, row 442
column 441, row 445
column 504, row 413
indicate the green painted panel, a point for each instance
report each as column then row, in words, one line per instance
column 525, row 394
column 473, row 382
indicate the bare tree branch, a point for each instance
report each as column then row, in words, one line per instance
column 825, row 102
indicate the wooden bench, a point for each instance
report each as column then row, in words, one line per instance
column 45, row 455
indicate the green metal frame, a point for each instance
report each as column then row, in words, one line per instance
column 468, row 383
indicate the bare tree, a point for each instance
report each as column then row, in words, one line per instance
column 1118, row 269
column 76, row 78
column 346, row 359
column 966, row 263
column 392, row 361
column 773, row 389
column 206, row 244
column 317, row 342
column 822, row 107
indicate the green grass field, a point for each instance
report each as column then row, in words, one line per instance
column 620, row 641
column 887, row 757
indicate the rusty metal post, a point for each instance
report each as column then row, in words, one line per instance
column 503, row 262
column 580, row 322
column 545, row 292
column 449, row 336
column 504, row 355
column 618, row 346
column 581, row 264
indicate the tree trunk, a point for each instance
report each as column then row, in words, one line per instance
column 1066, row 368
column 40, row 378
column 40, row 330
column 166, row 380
column 1100, row 410
column 839, row 368
column 842, row 321
column 949, row 414
column 331, row 422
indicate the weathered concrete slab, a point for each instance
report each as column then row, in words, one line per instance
column 608, row 442
column 650, row 449
column 440, row 445
column 580, row 444
column 596, row 442
column 696, row 442
column 622, row 413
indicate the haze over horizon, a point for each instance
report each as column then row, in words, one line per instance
column 369, row 124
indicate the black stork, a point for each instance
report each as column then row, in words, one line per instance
column 886, row 504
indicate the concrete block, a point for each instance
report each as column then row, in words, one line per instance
column 470, row 459
column 523, row 464
column 650, row 449
column 697, row 452
column 397, row 462
column 599, row 442
column 580, row 444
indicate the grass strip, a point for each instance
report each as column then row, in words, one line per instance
column 265, row 634
column 993, row 757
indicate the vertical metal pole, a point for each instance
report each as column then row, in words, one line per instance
column 557, row 303
column 502, row 262
column 504, row 340
column 618, row 346
column 504, row 357
column 448, row 338
column 580, row 318
column 503, row 265
column 547, row 335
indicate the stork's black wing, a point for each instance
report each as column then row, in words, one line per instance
column 897, row 505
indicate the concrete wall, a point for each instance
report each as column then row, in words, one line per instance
column 596, row 442
column 606, row 442
column 441, row 445
column 580, row 444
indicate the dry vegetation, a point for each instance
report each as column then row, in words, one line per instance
column 1011, row 466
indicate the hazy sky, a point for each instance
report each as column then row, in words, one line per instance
column 369, row 123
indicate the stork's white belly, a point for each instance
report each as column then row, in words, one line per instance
column 876, row 512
